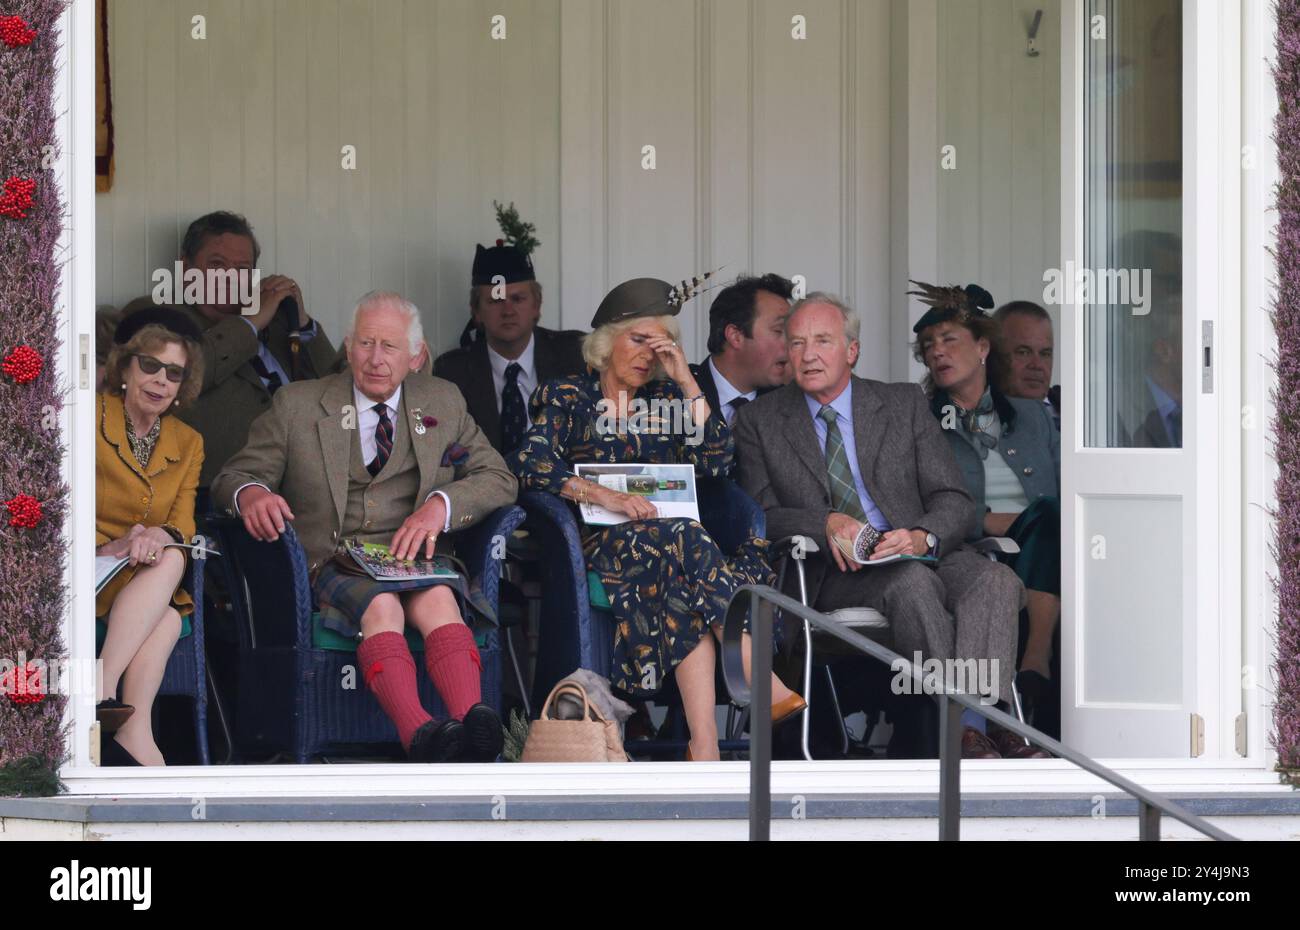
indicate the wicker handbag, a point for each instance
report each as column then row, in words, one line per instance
column 591, row 739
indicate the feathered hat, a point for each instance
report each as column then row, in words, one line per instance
column 950, row 303
column 647, row 297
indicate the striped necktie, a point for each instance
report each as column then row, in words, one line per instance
column 383, row 441
column 844, row 493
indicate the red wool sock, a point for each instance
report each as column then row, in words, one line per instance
column 389, row 670
column 453, row 662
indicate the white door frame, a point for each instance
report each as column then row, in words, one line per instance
column 74, row 102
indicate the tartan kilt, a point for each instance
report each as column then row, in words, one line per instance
column 342, row 598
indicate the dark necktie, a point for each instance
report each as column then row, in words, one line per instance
column 272, row 380
column 844, row 493
column 514, row 421
column 1176, row 428
column 383, row 441
column 735, row 404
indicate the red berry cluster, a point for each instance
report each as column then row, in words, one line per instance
column 23, row 364
column 17, row 198
column 23, row 685
column 14, row 31
column 24, row 511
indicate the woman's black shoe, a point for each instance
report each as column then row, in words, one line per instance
column 484, row 736
column 111, row 752
column 111, row 714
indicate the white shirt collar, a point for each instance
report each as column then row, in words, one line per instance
column 727, row 392
column 500, row 363
column 365, row 403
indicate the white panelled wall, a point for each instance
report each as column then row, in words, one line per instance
column 1000, row 110
column 815, row 157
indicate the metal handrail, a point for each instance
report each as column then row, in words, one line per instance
column 762, row 600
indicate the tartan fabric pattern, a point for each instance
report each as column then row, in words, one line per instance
column 844, row 493
column 342, row 597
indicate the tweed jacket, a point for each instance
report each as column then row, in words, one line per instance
column 301, row 449
column 905, row 461
column 233, row 395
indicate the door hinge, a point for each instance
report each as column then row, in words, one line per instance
column 1239, row 728
column 1198, row 735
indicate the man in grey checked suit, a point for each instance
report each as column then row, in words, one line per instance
column 831, row 451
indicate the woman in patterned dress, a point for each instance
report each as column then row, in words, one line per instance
column 668, row 582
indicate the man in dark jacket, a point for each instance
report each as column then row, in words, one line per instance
column 506, row 355
column 747, row 353
column 247, row 357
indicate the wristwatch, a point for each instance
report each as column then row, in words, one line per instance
column 931, row 543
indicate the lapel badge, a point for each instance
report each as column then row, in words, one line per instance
column 418, row 417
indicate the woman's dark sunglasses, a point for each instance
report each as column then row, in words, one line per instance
column 150, row 365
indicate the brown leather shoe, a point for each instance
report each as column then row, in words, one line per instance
column 975, row 745
column 1013, row 747
column 111, row 714
column 784, row 710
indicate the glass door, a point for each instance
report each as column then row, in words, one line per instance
column 1134, row 448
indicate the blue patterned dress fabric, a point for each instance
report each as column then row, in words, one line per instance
column 667, row 580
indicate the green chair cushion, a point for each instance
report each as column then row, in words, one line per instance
column 596, row 593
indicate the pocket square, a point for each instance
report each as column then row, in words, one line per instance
column 456, row 454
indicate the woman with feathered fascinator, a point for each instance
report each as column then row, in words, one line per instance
column 667, row 581
column 1008, row 450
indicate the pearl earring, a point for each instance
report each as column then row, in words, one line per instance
column 124, row 386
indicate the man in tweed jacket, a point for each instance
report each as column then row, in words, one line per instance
column 381, row 453
column 898, row 473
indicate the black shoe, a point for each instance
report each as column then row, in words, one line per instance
column 111, row 752
column 484, row 736
column 437, row 741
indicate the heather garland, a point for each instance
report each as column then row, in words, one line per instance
column 1286, row 320
column 32, row 546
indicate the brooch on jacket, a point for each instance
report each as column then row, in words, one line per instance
column 422, row 423
column 455, row 455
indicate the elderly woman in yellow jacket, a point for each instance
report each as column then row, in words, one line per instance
column 146, row 475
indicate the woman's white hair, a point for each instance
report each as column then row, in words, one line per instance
column 414, row 330
column 598, row 345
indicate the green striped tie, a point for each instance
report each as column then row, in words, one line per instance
column 844, row 493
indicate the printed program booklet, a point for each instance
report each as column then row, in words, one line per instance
column 380, row 564
column 107, row 567
column 859, row 552
column 671, row 488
